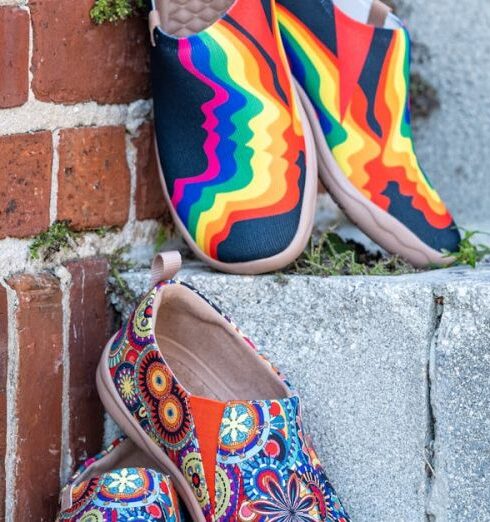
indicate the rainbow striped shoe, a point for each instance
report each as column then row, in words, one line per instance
column 236, row 153
column 113, row 487
column 352, row 60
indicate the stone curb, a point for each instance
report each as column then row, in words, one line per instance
column 393, row 372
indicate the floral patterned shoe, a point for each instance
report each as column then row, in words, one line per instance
column 352, row 59
column 114, row 487
column 235, row 150
column 191, row 390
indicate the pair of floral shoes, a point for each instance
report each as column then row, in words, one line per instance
column 254, row 98
column 215, row 433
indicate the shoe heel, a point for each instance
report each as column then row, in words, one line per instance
column 117, row 411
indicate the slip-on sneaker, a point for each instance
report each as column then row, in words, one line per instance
column 190, row 389
column 121, row 484
column 352, row 60
column 236, row 152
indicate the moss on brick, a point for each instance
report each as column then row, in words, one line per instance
column 118, row 264
column 58, row 237
column 114, row 10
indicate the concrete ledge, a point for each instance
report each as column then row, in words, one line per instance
column 394, row 378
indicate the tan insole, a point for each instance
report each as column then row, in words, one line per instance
column 209, row 358
column 193, row 373
column 186, row 17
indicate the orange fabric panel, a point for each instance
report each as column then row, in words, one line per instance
column 208, row 415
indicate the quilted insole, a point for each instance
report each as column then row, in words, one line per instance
column 187, row 17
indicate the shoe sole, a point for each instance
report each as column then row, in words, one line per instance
column 297, row 245
column 115, row 407
column 380, row 226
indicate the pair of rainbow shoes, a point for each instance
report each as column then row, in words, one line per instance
column 252, row 99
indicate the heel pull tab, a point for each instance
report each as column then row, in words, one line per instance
column 164, row 267
column 154, row 21
column 379, row 13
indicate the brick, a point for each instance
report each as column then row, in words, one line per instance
column 150, row 203
column 3, row 394
column 89, row 332
column 25, row 183
column 14, row 56
column 75, row 60
column 39, row 392
column 93, row 177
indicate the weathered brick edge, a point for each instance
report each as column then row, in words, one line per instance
column 60, row 325
column 3, row 394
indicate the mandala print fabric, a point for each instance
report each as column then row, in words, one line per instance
column 125, row 495
column 262, row 467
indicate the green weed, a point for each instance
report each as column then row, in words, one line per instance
column 469, row 252
column 114, row 10
column 117, row 265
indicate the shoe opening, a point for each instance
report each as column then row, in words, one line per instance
column 207, row 354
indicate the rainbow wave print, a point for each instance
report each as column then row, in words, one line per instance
column 252, row 144
column 357, row 77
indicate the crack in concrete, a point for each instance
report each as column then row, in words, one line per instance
column 431, row 415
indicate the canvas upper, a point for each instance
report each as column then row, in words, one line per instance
column 229, row 135
column 358, row 79
column 244, row 460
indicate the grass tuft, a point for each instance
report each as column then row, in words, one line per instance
column 330, row 255
column 469, row 252
column 115, row 10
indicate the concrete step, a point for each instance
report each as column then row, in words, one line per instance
column 395, row 378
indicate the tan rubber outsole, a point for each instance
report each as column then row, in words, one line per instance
column 381, row 227
column 297, row 245
column 119, row 413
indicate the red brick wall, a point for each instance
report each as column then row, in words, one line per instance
column 76, row 145
column 71, row 62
